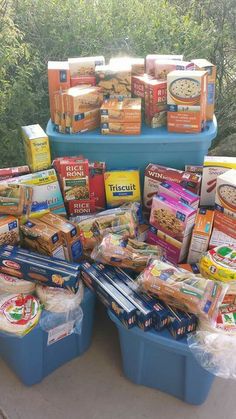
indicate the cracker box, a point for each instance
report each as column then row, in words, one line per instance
column 127, row 110
column 97, row 184
column 121, row 128
column 177, row 191
column 155, row 174
column 84, row 66
column 225, row 199
column 85, row 121
column 58, row 79
column 164, row 67
column 87, row 81
column 205, row 65
column 155, row 103
column 80, row 100
column 115, row 80
column 10, row 172
column 75, row 179
column 171, row 216
column 186, row 101
column 9, row 230
column 122, row 186
column 151, row 58
column 36, row 145
column 201, row 235
column 218, row 238
column 212, row 168
column 225, row 224
column 138, row 87
column 15, row 199
column 137, row 64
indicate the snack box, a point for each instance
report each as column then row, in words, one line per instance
column 171, row 216
column 58, row 79
column 97, row 184
column 201, row 235
column 40, row 271
column 127, row 110
column 193, row 169
column 81, row 206
column 115, row 80
column 15, row 199
column 10, row 172
column 212, row 168
column 70, row 236
column 36, row 145
column 205, row 65
column 85, row 121
column 84, row 66
column 225, row 224
column 137, row 64
column 121, row 128
column 225, row 199
column 155, row 174
column 120, row 306
column 74, row 174
column 138, row 84
column 218, row 238
column 41, row 238
column 82, row 80
column 143, row 312
column 177, row 191
column 164, row 67
column 155, row 103
column 9, row 230
column 79, row 100
column 122, row 186
column 151, row 58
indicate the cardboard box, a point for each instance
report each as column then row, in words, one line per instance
column 81, row 206
column 225, row 199
column 151, row 58
column 115, row 80
column 74, row 174
column 122, row 186
column 85, row 121
column 137, row 64
column 155, row 103
column 97, row 184
column 218, row 238
column 84, row 66
column 177, row 191
column 205, row 65
column 10, row 172
column 80, row 100
column 87, row 81
column 15, row 199
column 58, row 79
column 125, row 111
column 201, row 235
column 186, row 101
column 9, row 230
column 225, row 224
column 121, row 128
column 138, row 87
column 36, row 145
column 193, row 169
column 164, row 67
column 213, row 167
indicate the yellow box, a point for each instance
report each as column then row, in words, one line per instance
column 36, row 145
column 122, row 186
column 204, row 65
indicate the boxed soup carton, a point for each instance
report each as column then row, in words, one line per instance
column 205, row 65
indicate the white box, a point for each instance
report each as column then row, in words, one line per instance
column 225, row 199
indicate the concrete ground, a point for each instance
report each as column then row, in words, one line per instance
column 94, row 387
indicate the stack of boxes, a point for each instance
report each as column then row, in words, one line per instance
column 121, row 117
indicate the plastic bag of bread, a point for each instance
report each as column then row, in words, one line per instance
column 182, row 289
column 125, row 253
column 59, row 300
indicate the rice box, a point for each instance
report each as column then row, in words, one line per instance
column 186, row 101
column 205, row 65
column 75, row 179
column 36, row 145
column 115, row 80
column 151, row 58
column 138, row 87
column 84, row 66
column 58, row 79
column 122, row 186
column 225, row 200
column 155, row 103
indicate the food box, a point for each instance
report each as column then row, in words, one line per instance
column 10, row 172
column 212, row 168
column 115, row 80
column 82, row 80
column 75, row 179
column 9, row 230
column 225, row 199
column 225, row 224
column 36, row 145
column 84, row 66
column 164, row 67
column 58, row 79
column 81, row 122
column 202, row 64
column 137, row 64
column 177, row 191
column 201, row 235
column 218, row 238
column 97, row 184
column 186, row 101
column 151, row 58
column 125, row 111
column 122, row 186
column 193, row 169
column 138, row 84
column 15, row 199
column 121, row 128
column 80, row 100
column 155, row 103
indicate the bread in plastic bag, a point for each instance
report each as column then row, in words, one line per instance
column 11, row 285
column 219, row 264
column 181, row 289
column 59, row 300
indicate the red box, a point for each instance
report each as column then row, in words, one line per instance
column 78, row 207
column 75, row 178
column 138, row 87
column 96, row 184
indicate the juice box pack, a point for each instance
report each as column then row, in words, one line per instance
column 58, row 79
column 122, row 186
column 151, row 58
column 204, row 65
column 36, row 145
column 201, row 235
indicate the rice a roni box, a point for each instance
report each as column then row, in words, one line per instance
column 58, row 78
column 75, row 179
column 138, row 87
column 155, row 103
column 151, row 58
column 186, row 101
column 205, row 65
column 84, row 66
column 225, row 200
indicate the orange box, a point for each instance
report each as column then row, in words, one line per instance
column 84, row 66
column 121, row 128
column 201, row 235
column 58, row 79
column 204, row 65
column 127, row 110
column 225, row 224
column 82, row 99
column 186, row 101
column 85, row 121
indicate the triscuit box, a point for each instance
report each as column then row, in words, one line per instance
column 164, row 67
column 121, row 128
column 122, row 186
column 225, row 200
column 137, row 64
column 205, row 65
column 177, row 191
column 9, row 230
column 127, row 110
column 155, row 103
column 84, row 66
column 36, row 145
column 186, row 101
column 151, row 58
column 115, row 80
column 213, row 167
column 58, row 79
column 201, row 235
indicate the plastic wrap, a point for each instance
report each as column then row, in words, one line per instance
column 59, row 300
column 219, row 264
column 65, row 322
column 11, row 285
column 183, row 290
column 116, row 251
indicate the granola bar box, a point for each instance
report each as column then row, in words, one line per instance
column 9, row 230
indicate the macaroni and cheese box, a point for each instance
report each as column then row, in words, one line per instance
column 115, row 80
column 10, row 172
column 121, row 128
column 155, row 103
column 137, row 64
column 186, row 101
column 201, row 235
column 177, row 191
column 204, row 65
column 36, row 145
column 9, row 230
column 58, row 79
column 151, row 58
column 164, row 67
column 122, row 186
column 127, row 110
column 84, row 66
column 225, row 199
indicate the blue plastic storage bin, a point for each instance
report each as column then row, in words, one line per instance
column 30, row 357
column 155, row 359
column 152, row 146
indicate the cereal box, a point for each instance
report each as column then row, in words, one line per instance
column 10, row 172
column 212, row 168
column 115, row 80
column 122, row 186
column 225, row 199
column 127, row 110
column 201, row 235
column 177, row 191
column 171, row 216
column 225, row 224
column 151, row 58
column 155, row 103
column 138, row 87
column 58, row 79
column 84, row 66
column 9, row 230
column 164, row 67
column 121, row 128
column 186, row 101
column 137, row 64
column 36, row 145
column 202, row 64
column 75, row 179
